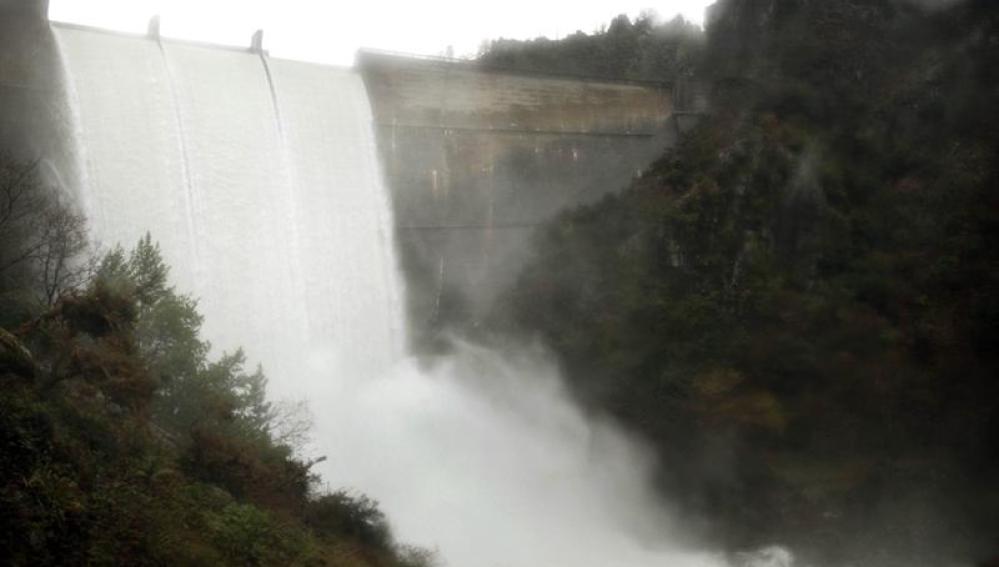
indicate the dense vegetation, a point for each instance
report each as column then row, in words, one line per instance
column 798, row 305
column 645, row 49
column 122, row 441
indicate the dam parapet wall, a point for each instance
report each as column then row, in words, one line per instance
column 435, row 92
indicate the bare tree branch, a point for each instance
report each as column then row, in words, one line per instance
column 42, row 239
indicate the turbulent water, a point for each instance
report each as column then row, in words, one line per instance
column 259, row 178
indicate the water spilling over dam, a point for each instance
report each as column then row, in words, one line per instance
column 259, row 179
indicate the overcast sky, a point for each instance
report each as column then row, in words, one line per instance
column 331, row 31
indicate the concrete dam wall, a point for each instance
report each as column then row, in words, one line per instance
column 476, row 159
column 35, row 122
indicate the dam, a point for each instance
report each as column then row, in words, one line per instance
column 473, row 159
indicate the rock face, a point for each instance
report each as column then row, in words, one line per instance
column 476, row 159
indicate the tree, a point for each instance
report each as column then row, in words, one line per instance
column 121, row 440
column 194, row 391
column 42, row 239
column 291, row 423
column 646, row 49
column 168, row 323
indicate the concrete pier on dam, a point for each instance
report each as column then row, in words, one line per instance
column 474, row 158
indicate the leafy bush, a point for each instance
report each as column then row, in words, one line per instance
column 121, row 441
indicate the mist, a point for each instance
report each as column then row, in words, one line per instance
column 482, row 455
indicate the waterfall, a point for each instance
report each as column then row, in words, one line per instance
column 261, row 183
column 260, row 180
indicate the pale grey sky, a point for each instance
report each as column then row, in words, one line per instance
column 331, row 31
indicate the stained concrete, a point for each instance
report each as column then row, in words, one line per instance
column 477, row 159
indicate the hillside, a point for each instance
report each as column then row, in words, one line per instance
column 797, row 305
column 122, row 441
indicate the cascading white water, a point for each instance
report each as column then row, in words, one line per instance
column 261, row 184
column 260, row 180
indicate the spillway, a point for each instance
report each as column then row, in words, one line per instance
column 260, row 180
